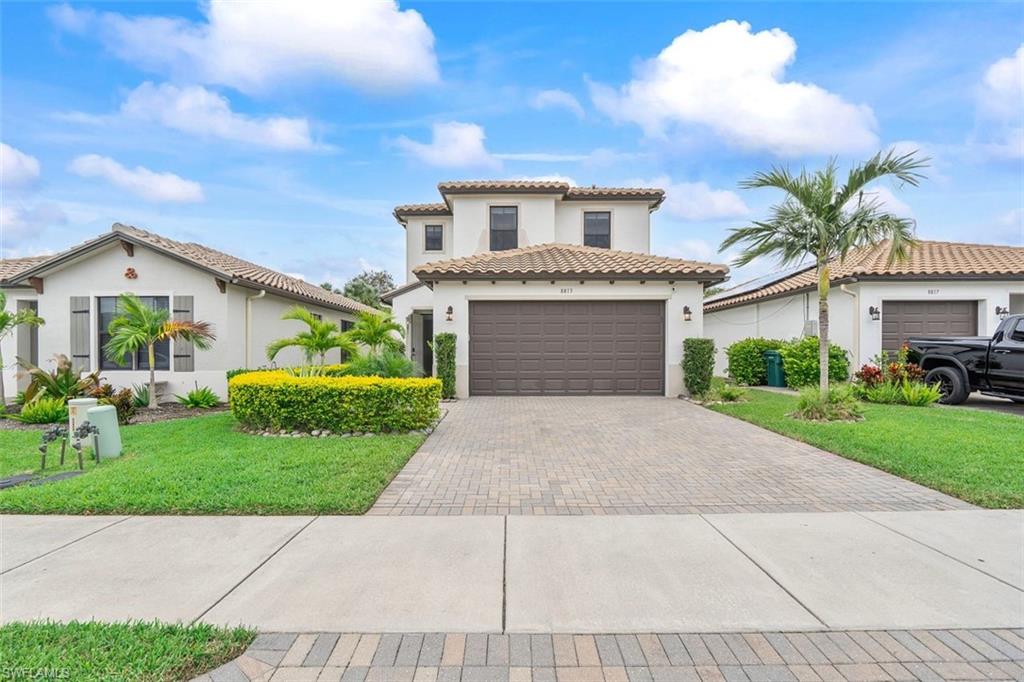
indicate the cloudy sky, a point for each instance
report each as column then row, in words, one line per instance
column 285, row 132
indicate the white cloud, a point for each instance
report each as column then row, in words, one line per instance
column 17, row 169
column 696, row 200
column 253, row 46
column 19, row 222
column 730, row 80
column 557, row 99
column 150, row 185
column 453, row 145
column 198, row 111
column 888, row 201
column 999, row 107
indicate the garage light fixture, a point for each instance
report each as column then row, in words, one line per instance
column 1002, row 312
column 448, row 314
column 875, row 313
column 687, row 313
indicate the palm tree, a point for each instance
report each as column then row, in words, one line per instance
column 376, row 331
column 137, row 326
column 823, row 220
column 316, row 341
column 8, row 323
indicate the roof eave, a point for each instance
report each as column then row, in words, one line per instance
column 706, row 277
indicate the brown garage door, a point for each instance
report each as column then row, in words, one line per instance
column 902, row 319
column 566, row 348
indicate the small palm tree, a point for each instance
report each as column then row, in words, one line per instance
column 137, row 326
column 8, row 323
column 316, row 341
column 823, row 220
column 377, row 331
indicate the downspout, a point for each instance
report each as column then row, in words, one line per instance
column 856, row 322
column 248, row 325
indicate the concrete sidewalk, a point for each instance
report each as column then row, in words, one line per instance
column 689, row 573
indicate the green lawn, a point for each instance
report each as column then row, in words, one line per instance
column 88, row 652
column 971, row 454
column 203, row 465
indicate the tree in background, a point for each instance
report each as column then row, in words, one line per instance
column 367, row 287
column 823, row 220
column 8, row 323
column 319, row 337
column 137, row 326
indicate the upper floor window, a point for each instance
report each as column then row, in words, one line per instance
column 504, row 228
column 433, row 238
column 140, row 359
column 597, row 229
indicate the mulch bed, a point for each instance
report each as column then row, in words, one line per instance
column 142, row 416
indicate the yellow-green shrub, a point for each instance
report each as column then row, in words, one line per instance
column 278, row 400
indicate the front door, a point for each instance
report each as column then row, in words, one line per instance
column 427, row 343
column 1006, row 362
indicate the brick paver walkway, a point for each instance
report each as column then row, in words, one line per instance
column 625, row 455
column 792, row 656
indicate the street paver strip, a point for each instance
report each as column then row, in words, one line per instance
column 753, row 656
column 630, row 455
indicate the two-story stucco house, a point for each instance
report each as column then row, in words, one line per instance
column 549, row 289
column 76, row 292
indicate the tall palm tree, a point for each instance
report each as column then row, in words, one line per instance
column 377, row 331
column 137, row 326
column 9, row 321
column 316, row 341
column 823, row 220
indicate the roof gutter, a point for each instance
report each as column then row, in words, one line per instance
column 248, row 325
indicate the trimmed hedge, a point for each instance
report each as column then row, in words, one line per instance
column 800, row 362
column 278, row 400
column 444, row 360
column 746, row 360
column 336, row 370
column 698, row 365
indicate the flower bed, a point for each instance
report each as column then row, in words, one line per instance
column 277, row 400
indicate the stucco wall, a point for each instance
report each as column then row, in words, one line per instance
column 102, row 274
column 630, row 223
column 851, row 325
column 458, row 296
column 9, row 344
column 472, row 220
column 414, row 243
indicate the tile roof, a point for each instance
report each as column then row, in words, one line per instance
column 10, row 267
column 929, row 259
column 224, row 265
column 390, row 296
column 567, row 192
column 568, row 260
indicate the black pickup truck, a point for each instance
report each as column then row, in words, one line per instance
column 994, row 366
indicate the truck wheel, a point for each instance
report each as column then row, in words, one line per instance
column 951, row 384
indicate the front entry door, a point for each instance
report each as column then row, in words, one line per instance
column 427, row 343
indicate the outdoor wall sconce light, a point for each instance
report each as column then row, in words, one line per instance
column 448, row 314
column 687, row 313
column 1002, row 312
column 875, row 313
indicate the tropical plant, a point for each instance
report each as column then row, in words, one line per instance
column 919, row 394
column 140, row 395
column 728, row 393
column 9, row 321
column 137, row 326
column 698, row 365
column 45, row 410
column 444, row 362
column 839, row 404
column 123, row 401
column 367, row 287
column 800, row 361
column 746, row 360
column 823, row 219
column 377, row 332
column 315, row 342
column 199, row 398
column 64, row 382
column 390, row 364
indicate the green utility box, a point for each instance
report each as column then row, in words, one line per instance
column 104, row 418
column 773, row 362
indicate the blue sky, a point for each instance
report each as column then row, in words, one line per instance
column 286, row 136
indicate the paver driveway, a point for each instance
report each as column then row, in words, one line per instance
column 629, row 455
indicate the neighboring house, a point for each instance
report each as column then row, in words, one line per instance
column 76, row 291
column 550, row 289
column 941, row 289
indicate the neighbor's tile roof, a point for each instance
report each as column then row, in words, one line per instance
column 569, row 260
column 10, row 267
column 928, row 259
column 224, row 265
